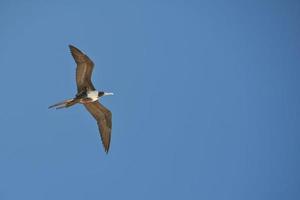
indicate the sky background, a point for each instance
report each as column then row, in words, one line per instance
column 206, row 103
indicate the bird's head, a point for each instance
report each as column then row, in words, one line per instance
column 101, row 94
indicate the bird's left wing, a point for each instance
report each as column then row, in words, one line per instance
column 103, row 117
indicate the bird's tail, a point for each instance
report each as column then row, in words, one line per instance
column 65, row 104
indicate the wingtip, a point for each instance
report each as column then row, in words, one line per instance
column 72, row 47
column 106, row 149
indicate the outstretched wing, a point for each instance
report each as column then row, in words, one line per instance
column 103, row 118
column 84, row 69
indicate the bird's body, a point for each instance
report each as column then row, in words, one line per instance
column 92, row 95
column 89, row 96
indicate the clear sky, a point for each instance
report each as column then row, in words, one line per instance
column 206, row 103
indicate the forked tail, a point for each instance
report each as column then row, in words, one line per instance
column 65, row 104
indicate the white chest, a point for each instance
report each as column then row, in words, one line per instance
column 93, row 95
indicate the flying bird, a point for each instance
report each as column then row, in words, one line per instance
column 89, row 96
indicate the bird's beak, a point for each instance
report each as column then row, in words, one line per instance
column 108, row 93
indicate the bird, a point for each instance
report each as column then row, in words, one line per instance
column 89, row 96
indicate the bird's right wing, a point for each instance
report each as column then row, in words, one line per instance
column 103, row 117
column 84, row 69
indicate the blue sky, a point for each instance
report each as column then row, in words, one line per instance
column 206, row 103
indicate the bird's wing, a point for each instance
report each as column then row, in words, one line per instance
column 84, row 69
column 103, row 117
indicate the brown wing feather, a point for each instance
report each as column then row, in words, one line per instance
column 103, row 117
column 84, row 69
